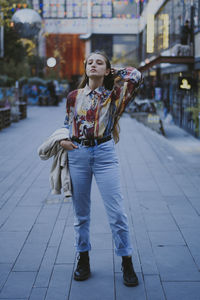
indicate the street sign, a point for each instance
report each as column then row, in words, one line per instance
column 185, row 83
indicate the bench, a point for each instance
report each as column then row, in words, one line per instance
column 5, row 119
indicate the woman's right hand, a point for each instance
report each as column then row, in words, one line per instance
column 67, row 145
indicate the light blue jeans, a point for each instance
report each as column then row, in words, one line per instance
column 100, row 160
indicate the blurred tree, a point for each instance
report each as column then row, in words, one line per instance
column 19, row 54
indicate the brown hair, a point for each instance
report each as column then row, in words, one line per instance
column 108, row 84
column 108, row 80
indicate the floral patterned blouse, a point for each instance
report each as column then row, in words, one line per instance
column 92, row 113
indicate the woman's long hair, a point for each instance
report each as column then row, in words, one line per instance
column 108, row 84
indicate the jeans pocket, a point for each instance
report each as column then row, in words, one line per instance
column 107, row 146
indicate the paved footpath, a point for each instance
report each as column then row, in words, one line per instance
column 161, row 187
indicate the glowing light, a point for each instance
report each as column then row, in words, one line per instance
column 51, row 62
column 150, row 33
column 185, row 84
column 165, row 18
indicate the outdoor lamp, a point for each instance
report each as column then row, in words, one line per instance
column 51, row 62
column 27, row 22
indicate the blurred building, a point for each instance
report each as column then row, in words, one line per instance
column 161, row 37
column 169, row 52
column 73, row 28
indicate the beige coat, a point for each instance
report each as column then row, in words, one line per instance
column 59, row 174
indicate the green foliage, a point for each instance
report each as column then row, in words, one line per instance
column 18, row 60
column 13, row 70
column 195, row 115
column 13, row 47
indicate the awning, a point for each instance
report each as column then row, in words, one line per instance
column 167, row 59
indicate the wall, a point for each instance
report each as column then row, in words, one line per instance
column 98, row 26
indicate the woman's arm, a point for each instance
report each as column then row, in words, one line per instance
column 126, row 83
column 67, row 143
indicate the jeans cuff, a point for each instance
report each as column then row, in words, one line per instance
column 124, row 252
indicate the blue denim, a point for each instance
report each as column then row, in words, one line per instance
column 102, row 162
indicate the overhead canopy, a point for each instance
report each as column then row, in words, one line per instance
column 167, row 59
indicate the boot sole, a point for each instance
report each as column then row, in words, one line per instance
column 131, row 284
column 81, row 278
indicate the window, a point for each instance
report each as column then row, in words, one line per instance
column 102, row 8
column 79, row 8
column 124, row 9
column 61, row 8
column 76, row 8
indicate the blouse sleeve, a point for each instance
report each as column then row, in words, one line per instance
column 70, row 103
column 126, row 84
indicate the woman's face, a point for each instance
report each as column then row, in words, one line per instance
column 96, row 66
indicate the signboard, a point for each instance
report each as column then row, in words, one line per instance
column 185, row 83
column 150, row 33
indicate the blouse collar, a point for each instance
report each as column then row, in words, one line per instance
column 99, row 90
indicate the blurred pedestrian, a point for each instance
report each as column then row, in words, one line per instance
column 185, row 33
column 52, row 91
column 93, row 112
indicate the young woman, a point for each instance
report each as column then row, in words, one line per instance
column 93, row 112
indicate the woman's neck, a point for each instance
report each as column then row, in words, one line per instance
column 95, row 83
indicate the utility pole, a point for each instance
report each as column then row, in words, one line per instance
column 192, row 26
column 1, row 35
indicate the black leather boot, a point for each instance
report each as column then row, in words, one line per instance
column 129, row 276
column 82, row 271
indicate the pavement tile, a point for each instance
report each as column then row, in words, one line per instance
column 46, row 268
column 146, row 255
column 185, row 182
column 54, row 293
column 166, row 238
column 153, row 287
column 60, row 283
column 179, row 201
column 154, row 206
column 4, row 272
column 18, row 285
column 40, row 233
column 182, row 290
column 57, row 233
column 38, row 294
column 10, row 245
column 176, row 264
column 30, row 258
column 185, row 216
column 149, row 196
column 101, row 241
column 161, row 222
column 49, row 213
column 21, row 219
column 164, row 185
column 34, row 197
column 101, row 283
column 192, row 238
column 66, row 209
column 66, row 253
column 147, row 184
column 195, row 203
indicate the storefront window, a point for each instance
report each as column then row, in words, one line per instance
column 125, row 49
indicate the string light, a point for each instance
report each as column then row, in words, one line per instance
column 39, row 9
